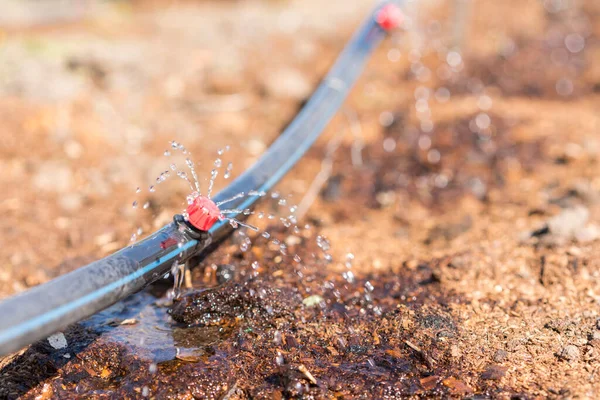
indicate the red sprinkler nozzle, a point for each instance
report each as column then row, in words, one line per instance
column 389, row 17
column 203, row 213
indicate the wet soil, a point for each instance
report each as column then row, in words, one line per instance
column 472, row 224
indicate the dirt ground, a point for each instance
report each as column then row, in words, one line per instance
column 452, row 253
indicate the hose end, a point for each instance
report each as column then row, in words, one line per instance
column 389, row 17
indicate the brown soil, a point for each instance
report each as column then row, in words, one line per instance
column 475, row 245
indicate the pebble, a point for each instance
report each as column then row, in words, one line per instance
column 287, row 83
column 570, row 353
column 58, row 340
column 104, row 239
column 53, row 176
column 71, row 201
column 500, row 356
column 255, row 147
column 312, row 301
column 292, row 240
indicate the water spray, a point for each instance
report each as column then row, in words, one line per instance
column 51, row 307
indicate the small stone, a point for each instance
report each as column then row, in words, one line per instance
column 53, row 176
column 292, row 240
column 493, row 372
column 104, row 239
column 569, row 222
column 287, row 83
column 570, row 353
column 71, row 201
column 58, row 341
column 455, row 351
column 255, row 147
column 587, row 234
column 312, row 301
column 560, row 325
column 500, row 356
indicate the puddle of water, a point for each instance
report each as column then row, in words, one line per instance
column 148, row 331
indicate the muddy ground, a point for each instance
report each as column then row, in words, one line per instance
column 453, row 251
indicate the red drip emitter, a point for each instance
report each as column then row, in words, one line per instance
column 389, row 17
column 203, row 213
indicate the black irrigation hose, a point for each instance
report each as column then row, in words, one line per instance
column 50, row 307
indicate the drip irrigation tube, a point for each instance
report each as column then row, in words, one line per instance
column 50, row 307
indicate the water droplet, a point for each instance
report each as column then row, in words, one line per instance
column 283, row 249
column 134, row 204
column 173, row 167
column 277, row 338
column 348, row 276
column 139, row 231
column 138, row 190
column 484, row 102
column 323, row 243
column 146, row 205
column 297, row 258
column 369, row 286
column 564, row 87
column 389, row 144
column 394, row 55
column 255, row 265
column 483, row 121
column 422, row 93
column 574, row 42
column 167, row 153
column 433, row 156
column 218, row 163
column 151, row 188
column 422, row 106
column 442, row 95
column 133, row 238
column 227, row 174
column 279, row 359
column 266, row 235
column 386, row 119
column 349, row 260
column 453, row 59
column 424, row 142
